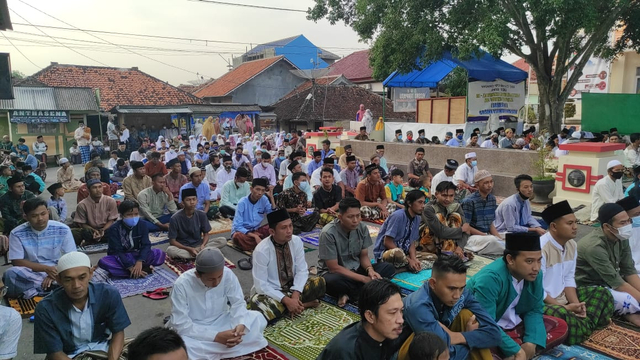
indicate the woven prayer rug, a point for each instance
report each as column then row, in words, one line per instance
column 231, row 244
column 161, row 278
column 312, row 237
column 93, row 249
column 158, row 237
column 267, row 353
column 379, row 221
column 219, row 226
column 25, row 307
column 410, row 281
column 304, row 336
column 349, row 306
column 574, row 352
column 180, row 266
column 476, row 264
column 615, row 341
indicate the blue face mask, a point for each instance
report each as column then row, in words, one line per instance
column 459, row 137
column 636, row 222
column 399, row 137
column 131, row 221
column 304, row 186
column 474, row 163
column 281, row 157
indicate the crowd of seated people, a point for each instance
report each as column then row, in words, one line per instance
column 544, row 288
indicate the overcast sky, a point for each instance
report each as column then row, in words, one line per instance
column 174, row 18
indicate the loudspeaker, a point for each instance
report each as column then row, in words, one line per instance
column 6, row 85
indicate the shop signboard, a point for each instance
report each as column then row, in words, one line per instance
column 38, row 116
column 495, row 97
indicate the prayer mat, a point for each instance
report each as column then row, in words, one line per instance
column 348, row 306
column 619, row 320
column 312, row 237
column 267, row 353
column 180, row 266
column 220, row 226
column 574, row 352
column 161, row 278
column 306, row 250
column 373, row 231
column 93, row 249
column 235, row 247
column 476, row 264
column 616, row 341
column 304, row 336
column 411, row 281
column 25, row 307
column 158, row 237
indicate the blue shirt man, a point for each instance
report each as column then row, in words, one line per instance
column 246, row 231
column 400, row 226
column 316, row 163
column 31, row 160
column 202, row 189
column 77, row 318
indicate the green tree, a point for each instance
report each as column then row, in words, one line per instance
column 455, row 84
column 17, row 75
column 551, row 35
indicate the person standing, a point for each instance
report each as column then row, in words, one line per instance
column 113, row 135
column 124, row 133
column 83, row 141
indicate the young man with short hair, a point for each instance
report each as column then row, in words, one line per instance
column 202, row 189
column 396, row 240
column 246, row 231
column 362, row 136
column 514, row 213
column 226, row 172
column 283, row 286
column 380, row 332
column 421, row 138
column 327, row 198
column 157, row 204
column 34, row 250
column 174, row 179
column 136, row 182
column 154, row 165
column 77, row 318
column 584, row 308
column 189, row 229
column 316, row 163
column 94, row 215
column 348, row 152
column 395, row 189
column 343, row 258
column 264, row 169
column 446, row 174
column 473, row 141
column 209, row 312
column 326, row 149
column 11, row 203
column 417, row 167
column 383, row 160
column 157, row 343
column 445, row 307
column 369, row 191
column 233, row 191
column 511, row 291
column 350, row 177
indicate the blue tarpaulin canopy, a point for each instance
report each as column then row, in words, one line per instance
column 485, row 68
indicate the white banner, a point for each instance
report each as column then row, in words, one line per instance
column 594, row 78
column 495, row 97
column 404, row 99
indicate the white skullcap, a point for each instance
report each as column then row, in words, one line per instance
column 576, row 135
column 613, row 163
column 181, row 153
column 469, row 155
column 63, row 161
column 72, row 260
column 520, row 142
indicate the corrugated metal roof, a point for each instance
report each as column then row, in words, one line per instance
column 49, row 98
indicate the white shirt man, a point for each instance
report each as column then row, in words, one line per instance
column 125, row 135
column 112, row 133
column 316, row 181
column 79, row 136
column 450, row 168
column 467, row 171
column 209, row 311
column 223, row 176
column 607, row 189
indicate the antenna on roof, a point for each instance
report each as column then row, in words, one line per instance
column 229, row 65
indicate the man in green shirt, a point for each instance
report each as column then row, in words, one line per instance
column 233, row 191
column 11, row 203
column 604, row 259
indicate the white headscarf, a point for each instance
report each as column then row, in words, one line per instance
column 158, row 145
column 193, row 143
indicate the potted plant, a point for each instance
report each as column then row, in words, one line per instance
column 544, row 182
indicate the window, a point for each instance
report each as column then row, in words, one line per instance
column 43, row 128
column 638, row 80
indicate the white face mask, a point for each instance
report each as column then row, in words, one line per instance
column 625, row 232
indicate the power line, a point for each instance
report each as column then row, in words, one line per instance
column 250, row 6
column 206, row 41
column 106, row 41
column 21, row 53
column 75, row 51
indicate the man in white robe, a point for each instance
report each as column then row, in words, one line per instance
column 210, row 314
column 281, row 280
column 608, row 189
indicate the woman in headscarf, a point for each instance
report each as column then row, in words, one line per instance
column 207, row 128
column 193, row 143
column 226, row 127
column 368, row 121
column 240, row 124
column 216, row 126
column 248, row 124
column 159, row 143
column 279, row 139
column 220, row 140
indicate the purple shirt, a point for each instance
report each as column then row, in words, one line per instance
column 350, row 178
column 259, row 171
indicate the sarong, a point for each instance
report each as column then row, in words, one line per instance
column 272, row 309
column 374, row 213
column 85, row 153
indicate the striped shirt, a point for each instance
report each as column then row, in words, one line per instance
column 480, row 212
column 42, row 247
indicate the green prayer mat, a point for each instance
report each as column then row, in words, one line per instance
column 304, row 336
column 476, row 264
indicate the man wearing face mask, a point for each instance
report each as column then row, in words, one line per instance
column 130, row 253
column 398, row 137
column 604, row 259
column 409, row 139
column 421, row 138
column 278, row 162
column 226, row 173
column 233, row 191
column 265, row 170
column 457, row 141
column 514, row 213
column 608, row 189
column 465, row 173
column 294, row 200
column 633, row 210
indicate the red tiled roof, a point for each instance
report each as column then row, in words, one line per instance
column 193, row 88
column 342, row 102
column 524, row 66
column 117, row 86
column 354, row 67
column 325, row 80
column 236, row 77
